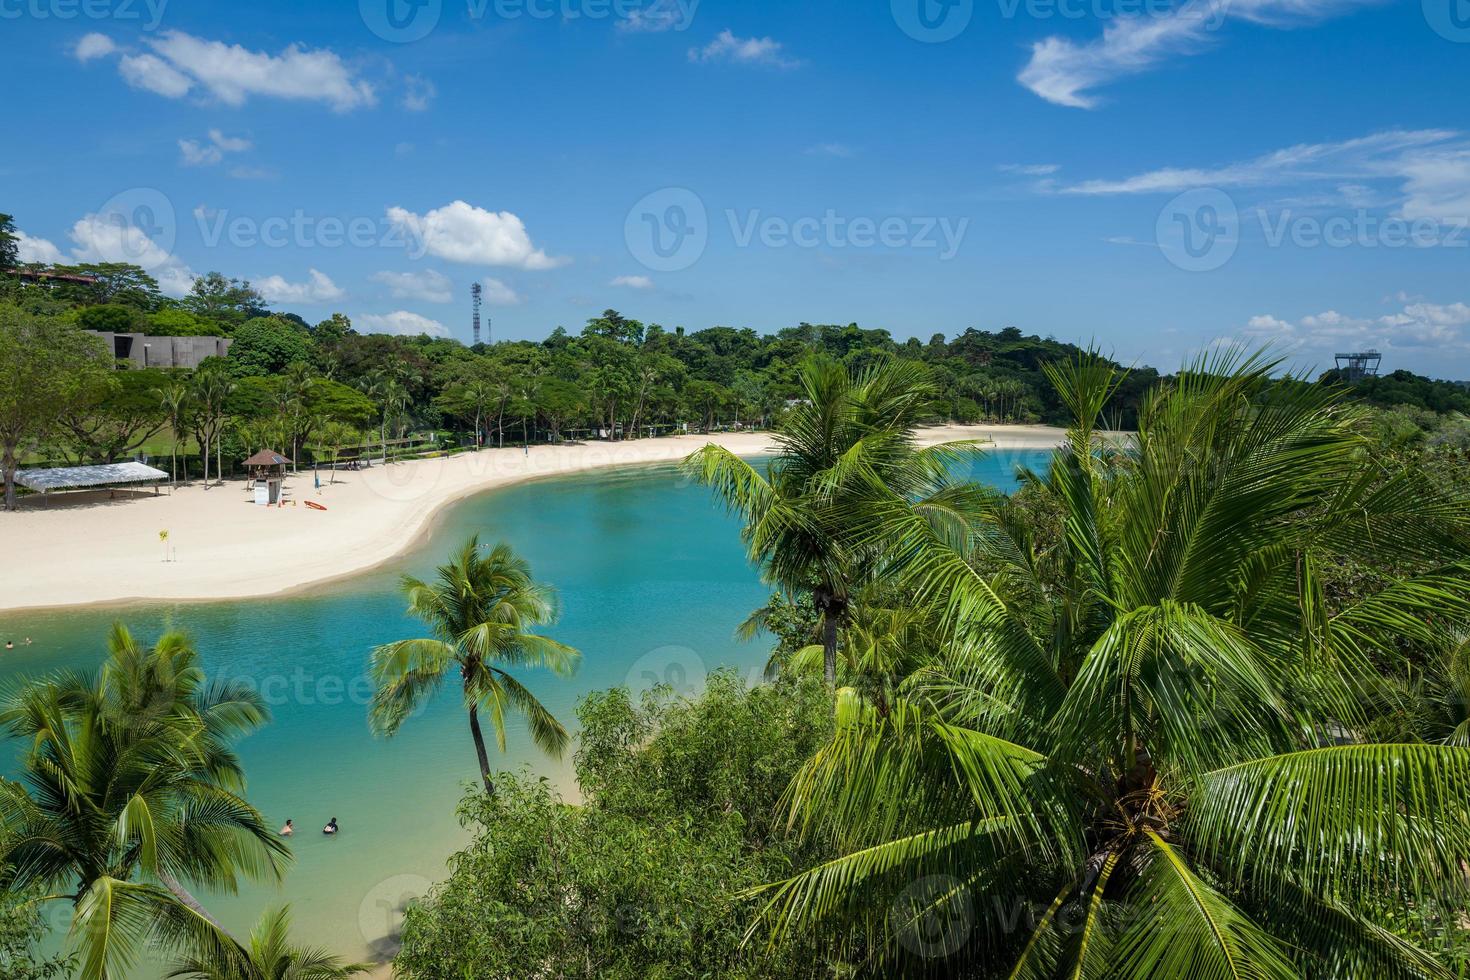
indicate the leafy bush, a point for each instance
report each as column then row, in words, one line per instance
column 648, row 877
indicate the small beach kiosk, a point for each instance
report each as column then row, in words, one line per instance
column 109, row 476
column 267, row 470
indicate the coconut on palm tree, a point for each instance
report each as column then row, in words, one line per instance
column 851, row 437
column 271, row 955
column 1149, row 757
column 481, row 609
column 128, row 789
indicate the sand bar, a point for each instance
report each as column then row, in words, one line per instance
column 88, row 548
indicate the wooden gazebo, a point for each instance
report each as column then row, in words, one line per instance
column 267, row 470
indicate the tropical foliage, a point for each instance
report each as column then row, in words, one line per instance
column 1140, row 748
column 481, row 609
column 129, row 789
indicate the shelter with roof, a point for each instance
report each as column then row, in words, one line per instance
column 267, row 470
column 109, row 475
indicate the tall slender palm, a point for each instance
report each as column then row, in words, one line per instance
column 128, row 788
column 1160, row 749
column 211, row 395
column 175, row 400
column 270, row 955
column 481, row 609
column 850, row 438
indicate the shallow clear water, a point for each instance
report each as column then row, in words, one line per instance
column 653, row 581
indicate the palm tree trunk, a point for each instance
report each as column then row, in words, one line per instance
column 829, row 647
column 479, row 737
column 188, row 900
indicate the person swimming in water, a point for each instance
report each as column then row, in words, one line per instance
column 288, row 830
column 10, row 644
column 331, row 827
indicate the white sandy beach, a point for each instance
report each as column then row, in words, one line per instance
column 92, row 548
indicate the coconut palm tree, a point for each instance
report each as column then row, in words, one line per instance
column 175, row 400
column 1153, row 763
column 480, row 609
column 128, row 788
column 271, row 955
column 851, row 437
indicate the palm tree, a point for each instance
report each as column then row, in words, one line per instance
column 211, row 395
column 128, row 788
column 480, row 609
column 851, row 437
column 175, row 400
column 1156, row 742
column 271, row 955
column 391, row 397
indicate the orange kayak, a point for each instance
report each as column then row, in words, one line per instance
column 313, row 506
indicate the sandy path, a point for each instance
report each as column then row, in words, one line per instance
column 88, row 548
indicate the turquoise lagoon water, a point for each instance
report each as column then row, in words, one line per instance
column 652, row 579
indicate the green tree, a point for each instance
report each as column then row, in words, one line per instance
column 228, row 302
column 266, row 345
column 115, row 415
column 128, row 788
column 648, row 876
column 173, row 398
column 851, row 437
column 481, row 610
column 48, row 367
column 21, row 930
column 210, row 393
column 9, row 243
column 1154, row 742
column 270, row 955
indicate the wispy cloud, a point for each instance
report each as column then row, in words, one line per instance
column 841, row 150
column 727, row 47
column 207, row 153
column 1064, row 72
column 1415, row 327
column 659, row 16
column 1029, row 169
column 632, row 282
column 177, row 64
column 1416, row 173
column 318, row 288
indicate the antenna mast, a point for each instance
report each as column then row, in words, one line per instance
column 475, row 303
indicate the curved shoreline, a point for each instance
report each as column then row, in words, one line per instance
column 91, row 550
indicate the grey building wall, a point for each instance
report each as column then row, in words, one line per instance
column 164, row 352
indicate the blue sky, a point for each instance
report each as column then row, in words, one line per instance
column 1153, row 176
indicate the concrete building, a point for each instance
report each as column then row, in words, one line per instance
column 164, row 352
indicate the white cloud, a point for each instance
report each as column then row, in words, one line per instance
column 153, row 74
column 318, row 288
column 93, row 45
column 497, row 293
column 830, row 150
column 1416, row 328
column 196, row 153
column 632, row 282
column 401, row 323
column 429, row 285
column 418, row 91
column 179, row 62
column 461, row 232
column 1420, row 174
column 744, row 50
column 111, row 238
column 659, row 16
column 1029, row 169
column 29, row 249
column 1063, row 72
